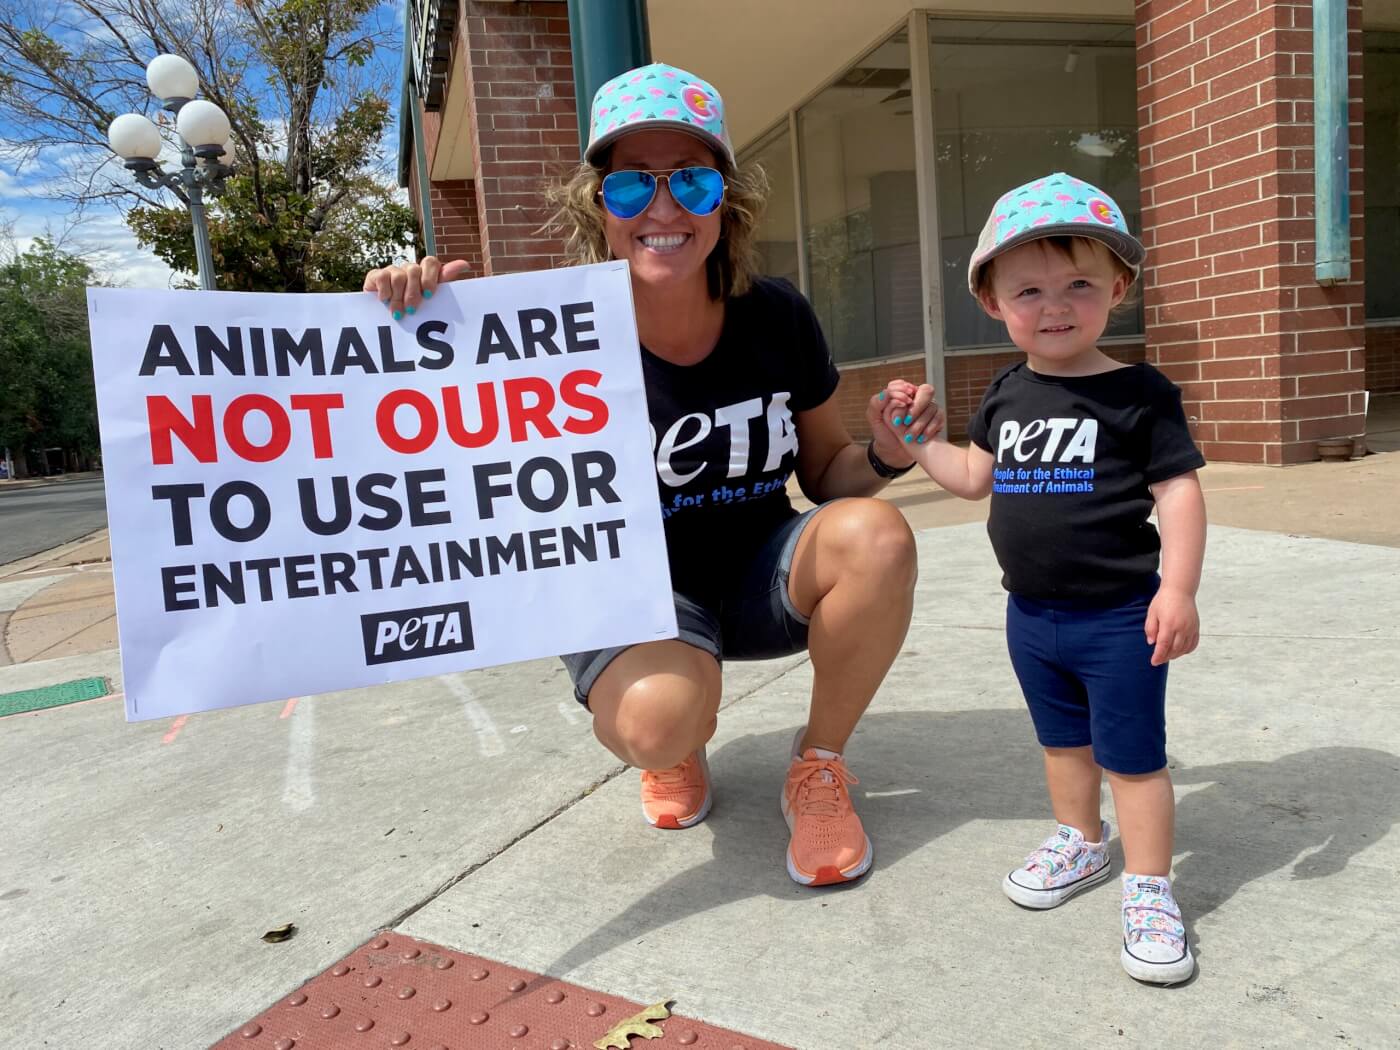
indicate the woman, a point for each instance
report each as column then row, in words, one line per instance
column 739, row 385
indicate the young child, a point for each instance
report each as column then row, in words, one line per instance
column 1076, row 449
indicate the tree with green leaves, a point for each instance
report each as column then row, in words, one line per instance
column 46, row 387
column 306, row 85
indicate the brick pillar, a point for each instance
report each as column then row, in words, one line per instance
column 451, row 208
column 1268, row 360
column 520, row 87
column 456, row 225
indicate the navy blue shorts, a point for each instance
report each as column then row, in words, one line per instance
column 757, row 621
column 1088, row 678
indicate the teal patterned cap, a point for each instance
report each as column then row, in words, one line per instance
column 657, row 96
column 1057, row 205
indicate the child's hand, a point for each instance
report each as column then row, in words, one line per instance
column 903, row 414
column 1173, row 625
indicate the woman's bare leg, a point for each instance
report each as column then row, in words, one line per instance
column 853, row 574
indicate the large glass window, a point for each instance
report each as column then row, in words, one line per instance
column 1015, row 100
column 777, row 231
column 861, row 213
column 1382, row 130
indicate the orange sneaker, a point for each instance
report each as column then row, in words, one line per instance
column 678, row 797
column 828, row 843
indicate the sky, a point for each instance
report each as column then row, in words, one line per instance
column 100, row 235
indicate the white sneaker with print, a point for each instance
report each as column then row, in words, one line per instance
column 1154, row 937
column 1057, row 869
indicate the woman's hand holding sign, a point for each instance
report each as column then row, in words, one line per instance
column 403, row 288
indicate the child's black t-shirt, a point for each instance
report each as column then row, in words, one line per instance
column 1074, row 457
column 723, row 433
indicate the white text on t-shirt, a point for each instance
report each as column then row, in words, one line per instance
column 1040, row 439
column 694, row 427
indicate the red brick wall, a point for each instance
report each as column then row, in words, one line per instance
column 968, row 376
column 1269, row 360
column 1383, row 359
column 456, row 228
column 520, row 82
column 860, row 382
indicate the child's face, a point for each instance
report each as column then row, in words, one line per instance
column 1055, row 306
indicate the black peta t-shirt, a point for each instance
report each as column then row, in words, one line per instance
column 1074, row 459
column 722, row 431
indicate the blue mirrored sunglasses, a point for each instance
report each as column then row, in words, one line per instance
column 629, row 193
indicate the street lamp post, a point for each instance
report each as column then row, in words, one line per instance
column 205, row 149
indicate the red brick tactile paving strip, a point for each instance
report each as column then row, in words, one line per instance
column 398, row 992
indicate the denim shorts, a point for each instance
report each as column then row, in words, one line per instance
column 755, row 621
column 1087, row 675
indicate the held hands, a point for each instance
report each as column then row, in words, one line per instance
column 403, row 288
column 1173, row 625
column 902, row 415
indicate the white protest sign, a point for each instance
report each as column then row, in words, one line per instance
column 305, row 495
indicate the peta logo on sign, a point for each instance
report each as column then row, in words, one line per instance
column 411, row 634
column 1056, row 440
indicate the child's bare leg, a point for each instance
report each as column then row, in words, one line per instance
column 1146, row 810
column 1074, row 780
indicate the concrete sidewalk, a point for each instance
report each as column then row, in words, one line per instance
column 143, row 862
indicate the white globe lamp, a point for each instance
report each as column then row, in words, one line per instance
column 133, row 137
column 171, row 77
column 201, row 123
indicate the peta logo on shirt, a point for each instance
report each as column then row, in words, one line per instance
column 1057, row 440
column 1054, row 440
column 730, row 426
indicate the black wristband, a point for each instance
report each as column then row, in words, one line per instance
column 881, row 467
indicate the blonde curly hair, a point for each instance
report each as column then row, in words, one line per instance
column 731, row 267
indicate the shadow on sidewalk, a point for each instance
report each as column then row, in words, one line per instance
column 1259, row 817
column 925, row 773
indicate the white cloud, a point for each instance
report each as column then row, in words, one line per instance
column 102, row 240
column 110, row 248
column 98, row 234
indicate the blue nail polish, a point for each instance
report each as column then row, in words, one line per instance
column 398, row 315
column 908, row 438
column 411, row 309
column 921, row 439
column 908, row 420
column 427, row 293
column 882, row 395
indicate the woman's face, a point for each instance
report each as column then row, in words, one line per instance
column 665, row 244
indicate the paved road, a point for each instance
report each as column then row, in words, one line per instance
column 35, row 519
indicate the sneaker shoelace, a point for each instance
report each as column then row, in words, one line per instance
column 816, row 788
column 1153, row 916
column 674, row 781
column 1051, row 857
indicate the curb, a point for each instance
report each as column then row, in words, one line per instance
column 33, row 561
column 61, row 479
